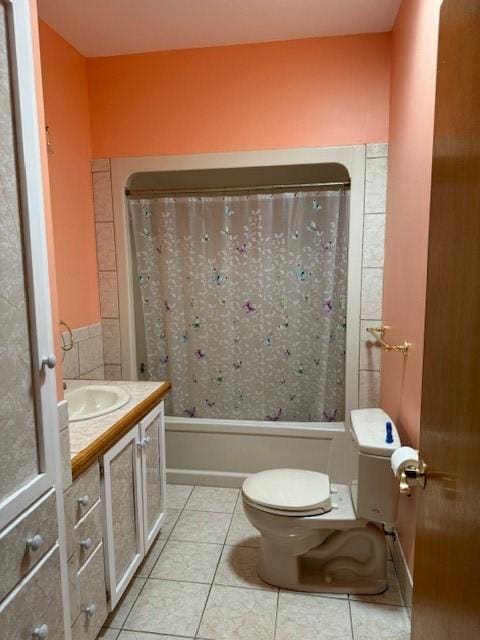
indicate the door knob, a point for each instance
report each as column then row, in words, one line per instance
column 86, row 544
column 35, row 542
column 413, row 476
column 40, row 632
column 83, row 501
column 49, row 361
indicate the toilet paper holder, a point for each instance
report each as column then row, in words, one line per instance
column 414, row 475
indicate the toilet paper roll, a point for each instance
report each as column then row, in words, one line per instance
column 403, row 457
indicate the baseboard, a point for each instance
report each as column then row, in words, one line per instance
column 401, row 567
column 206, row 478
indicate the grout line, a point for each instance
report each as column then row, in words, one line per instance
column 276, row 615
column 351, row 619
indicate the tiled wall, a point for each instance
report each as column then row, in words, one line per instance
column 372, row 272
column 85, row 360
column 372, row 269
column 107, row 268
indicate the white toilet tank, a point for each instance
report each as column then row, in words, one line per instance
column 374, row 489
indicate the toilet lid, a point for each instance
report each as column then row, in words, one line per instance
column 289, row 490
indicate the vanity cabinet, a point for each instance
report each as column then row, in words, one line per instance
column 133, row 497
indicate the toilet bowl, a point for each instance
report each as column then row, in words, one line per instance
column 323, row 537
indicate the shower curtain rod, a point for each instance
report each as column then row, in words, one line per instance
column 132, row 193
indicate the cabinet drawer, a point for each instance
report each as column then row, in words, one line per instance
column 86, row 491
column 88, row 533
column 35, row 602
column 92, row 595
column 37, row 525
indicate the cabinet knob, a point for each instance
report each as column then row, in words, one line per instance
column 90, row 610
column 34, row 543
column 49, row 361
column 143, row 443
column 40, row 632
column 86, row 544
column 84, row 500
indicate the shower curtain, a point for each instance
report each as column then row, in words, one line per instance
column 243, row 300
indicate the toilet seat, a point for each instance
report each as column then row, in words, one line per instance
column 290, row 492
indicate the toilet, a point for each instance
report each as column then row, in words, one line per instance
column 328, row 538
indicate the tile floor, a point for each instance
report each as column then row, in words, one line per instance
column 199, row 582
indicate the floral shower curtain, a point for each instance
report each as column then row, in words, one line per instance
column 244, row 302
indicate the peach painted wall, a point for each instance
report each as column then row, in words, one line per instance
column 412, row 98
column 46, row 194
column 301, row 93
column 65, row 89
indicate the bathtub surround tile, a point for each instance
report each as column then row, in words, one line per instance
column 111, row 341
column 113, row 372
column 187, row 562
column 90, row 354
column 372, row 293
column 169, row 522
column 100, row 164
column 83, row 333
column 241, row 532
column 212, row 499
column 370, row 349
column 145, row 569
column 95, row 374
column 369, row 389
column 391, row 596
column 102, row 196
column 105, row 246
column 117, row 617
column 107, row 283
column 238, row 568
column 177, row 495
column 377, row 150
column 375, row 185
column 242, row 614
column 71, row 363
column 374, row 240
column 379, row 621
column 168, row 607
column 201, row 526
column 303, row 617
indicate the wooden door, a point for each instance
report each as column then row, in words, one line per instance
column 447, row 559
column 122, row 503
column 152, row 440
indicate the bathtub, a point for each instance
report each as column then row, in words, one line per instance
column 223, row 453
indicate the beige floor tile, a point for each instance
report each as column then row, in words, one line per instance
column 177, row 495
column 239, row 506
column 201, row 526
column 392, row 595
column 188, row 561
column 154, row 552
column 242, row 533
column 379, row 622
column 167, row 607
column 169, row 522
column 217, row 499
column 305, row 617
column 108, row 634
column 139, row 635
column 238, row 568
column 239, row 614
column 118, row 616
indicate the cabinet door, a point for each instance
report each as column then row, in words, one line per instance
column 152, row 445
column 28, row 414
column 122, row 500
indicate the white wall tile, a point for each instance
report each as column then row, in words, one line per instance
column 372, row 290
column 71, row 365
column 376, row 185
column 90, row 354
column 113, row 372
column 111, row 341
column 102, row 196
column 100, row 164
column 373, row 240
column 105, row 246
column 96, row 374
column 107, row 283
column 377, row 150
column 370, row 350
column 369, row 389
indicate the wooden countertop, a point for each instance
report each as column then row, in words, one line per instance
column 90, row 439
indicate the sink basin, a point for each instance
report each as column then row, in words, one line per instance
column 94, row 400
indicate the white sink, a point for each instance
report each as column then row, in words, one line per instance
column 94, row 400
